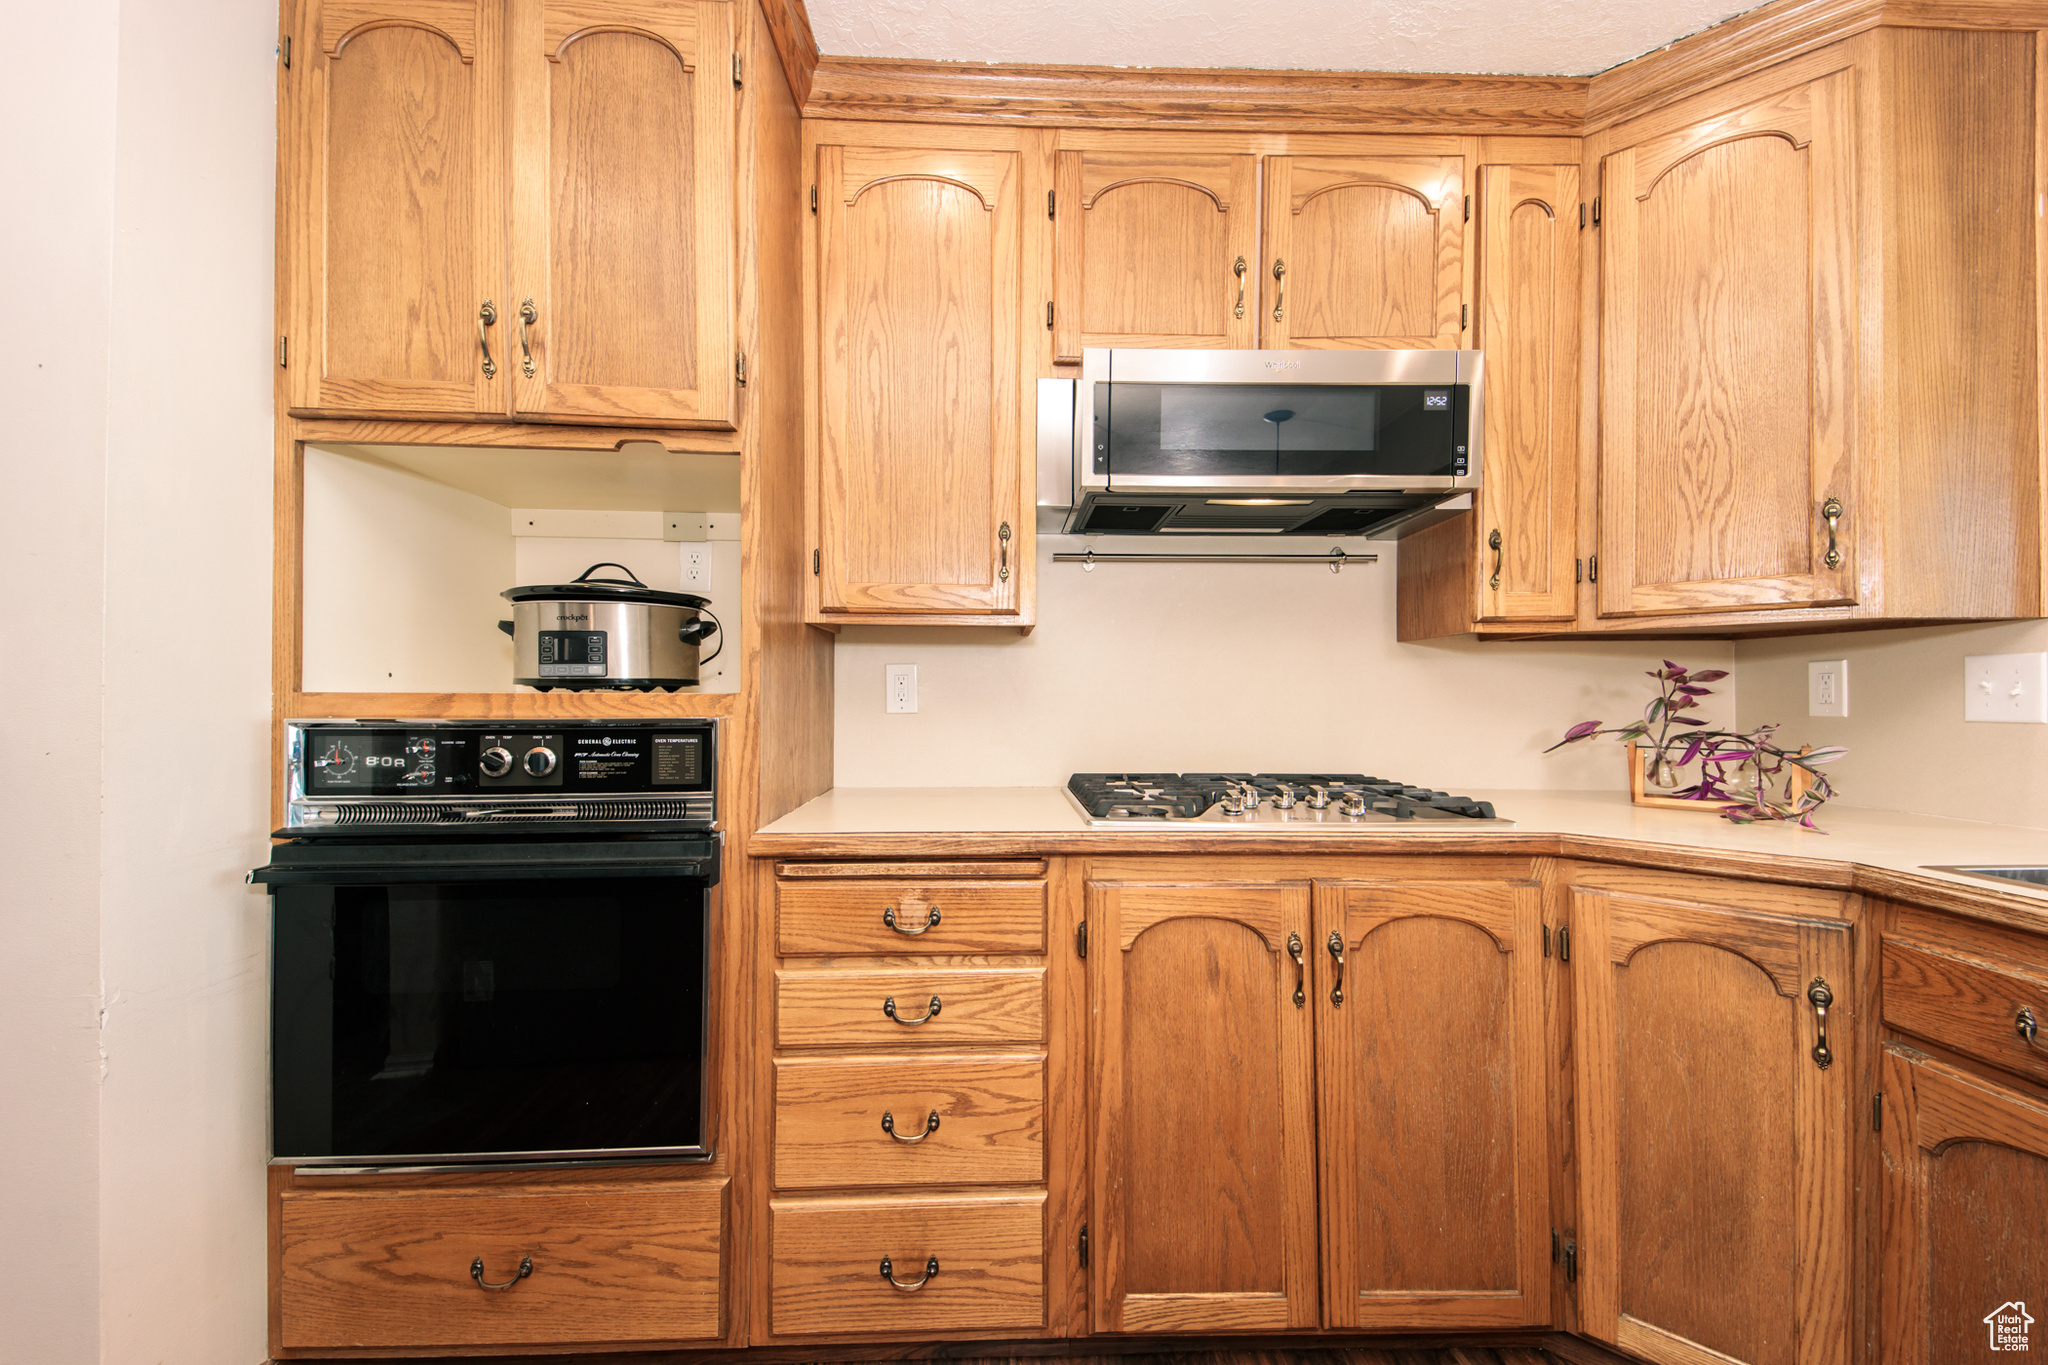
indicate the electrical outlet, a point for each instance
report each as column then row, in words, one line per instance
column 899, row 692
column 1827, row 688
column 696, row 566
column 2008, row 687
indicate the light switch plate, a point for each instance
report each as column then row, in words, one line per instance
column 2007, row 687
column 899, row 687
column 1827, row 688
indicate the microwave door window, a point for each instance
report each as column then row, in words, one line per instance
column 1222, row 431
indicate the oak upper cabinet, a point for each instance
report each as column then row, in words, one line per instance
column 1966, row 1198
column 1715, row 1061
column 917, row 496
column 1430, row 1084
column 622, row 211
column 1364, row 250
column 1154, row 248
column 1731, row 316
column 1204, row 1146
column 510, row 208
column 393, row 208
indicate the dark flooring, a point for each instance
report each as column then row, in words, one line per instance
column 1354, row 1355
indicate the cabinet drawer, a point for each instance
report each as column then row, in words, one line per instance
column 826, row 1009
column 1970, row 1006
column 825, row 1273
column 392, row 1267
column 854, row 916
column 829, row 1112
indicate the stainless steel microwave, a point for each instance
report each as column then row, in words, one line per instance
column 1322, row 443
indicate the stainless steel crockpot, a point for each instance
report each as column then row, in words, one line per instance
column 607, row 633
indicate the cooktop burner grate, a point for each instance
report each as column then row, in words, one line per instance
column 1267, row 798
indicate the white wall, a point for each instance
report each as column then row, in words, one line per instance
column 56, row 237
column 185, row 771
column 1223, row 667
column 1909, row 746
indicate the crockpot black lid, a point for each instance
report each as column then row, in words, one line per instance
column 588, row 589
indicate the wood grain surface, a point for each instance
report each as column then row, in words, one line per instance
column 844, row 1008
column 1970, row 1006
column 1146, row 249
column 1965, row 1198
column 824, row 917
column 828, row 1117
column 1162, row 98
column 1430, row 1091
column 622, row 211
column 919, row 291
column 610, row 1263
column 1203, row 1100
column 826, row 1253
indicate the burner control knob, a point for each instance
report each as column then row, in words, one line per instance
column 495, row 761
column 539, row 761
column 1318, row 797
column 1353, row 803
column 1284, row 798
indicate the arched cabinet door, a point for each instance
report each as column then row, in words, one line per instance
column 1364, row 251
column 916, row 502
column 622, row 212
column 1203, row 1106
column 392, row 198
column 1528, row 326
column 1430, row 1091
column 1730, row 317
column 1715, row 1037
column 1154, row 249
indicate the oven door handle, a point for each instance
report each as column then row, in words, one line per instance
column 411, row 874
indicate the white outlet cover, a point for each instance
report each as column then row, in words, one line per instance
column 2006, row 687
column 1827, row 687
column 899, row 688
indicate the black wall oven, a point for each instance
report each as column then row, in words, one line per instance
column 493, row 944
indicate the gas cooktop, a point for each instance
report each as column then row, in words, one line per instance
column 1266, row 800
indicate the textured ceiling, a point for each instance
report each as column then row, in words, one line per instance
column 1526, row 37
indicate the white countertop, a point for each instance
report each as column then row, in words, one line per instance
column 1891, row 840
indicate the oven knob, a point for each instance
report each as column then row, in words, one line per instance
column 495, row 761
column 539, row 761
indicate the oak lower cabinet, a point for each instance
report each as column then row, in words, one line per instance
column 1267, row 1044
column 917, row 495
column 1715, row 1038
column 508, row 208
column 912, row 1077
column 499, row 1265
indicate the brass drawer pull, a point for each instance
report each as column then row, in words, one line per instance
column 1821, row 997
column 1300, row 970
column 1831, row 512
column 1336, row 947
column 1238, row 270
column 1493, row 544
column 476, row 1272
column 931, row 1125
column 487, row 316
column 931, row 1012
column 528, row 315
column 931, row 1268
column 931, row 920
column 2027, row 1026
column 1280, row 283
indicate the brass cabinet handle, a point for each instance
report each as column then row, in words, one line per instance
column 1336, row 947
column 2026, row 1025
column 1493, row 544
column 476, row 1272
column 1238, row 270
column 1821, row 997
column 528, row 315
column 931, row 1012
column 1832, row 511
column 1003, row 540
column 931, row 1125
column 931, row 1268
column 487, row 316
column 1300, row 970
column 931, row 920
column 1279, row 278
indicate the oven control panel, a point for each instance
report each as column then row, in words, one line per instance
column 340, row 761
